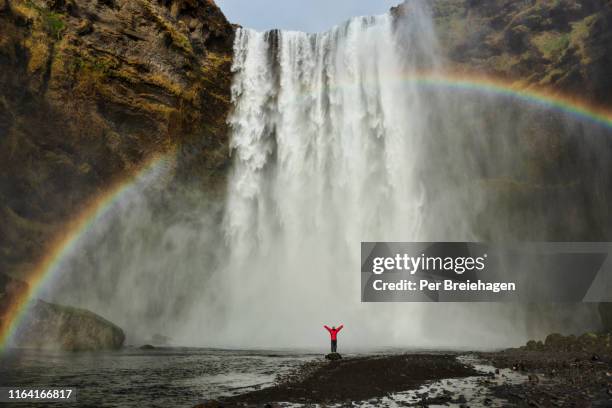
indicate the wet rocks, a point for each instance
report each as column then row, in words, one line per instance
column 561, row 371
column 333, row 356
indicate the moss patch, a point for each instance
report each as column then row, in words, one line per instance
column 551, row 44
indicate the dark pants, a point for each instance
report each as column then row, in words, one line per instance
column 334, row 344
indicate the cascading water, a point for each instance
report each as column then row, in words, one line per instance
column 325, row 150
column 329, row 150
column 331, row 147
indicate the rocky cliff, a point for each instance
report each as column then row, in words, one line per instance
column 88, row 90
column 563, row 44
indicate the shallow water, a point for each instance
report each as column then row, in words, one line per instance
column 164, row 377
column 182, row 377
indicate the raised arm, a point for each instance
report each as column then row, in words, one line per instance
column 327, row 328
column 340, row 327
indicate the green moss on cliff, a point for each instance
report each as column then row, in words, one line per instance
column 551, row 44
column 54, row 24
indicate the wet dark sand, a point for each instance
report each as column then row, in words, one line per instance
column 355, row 379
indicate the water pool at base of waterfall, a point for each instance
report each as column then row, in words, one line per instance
column 162, row 377
column 183, row 377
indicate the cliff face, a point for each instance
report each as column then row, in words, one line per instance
column 91, row 88
column 563, row 44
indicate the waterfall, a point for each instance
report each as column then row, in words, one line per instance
column 329, row 149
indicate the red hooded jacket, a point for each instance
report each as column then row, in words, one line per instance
column 333, row 333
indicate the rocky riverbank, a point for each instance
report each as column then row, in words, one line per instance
column 562, row 371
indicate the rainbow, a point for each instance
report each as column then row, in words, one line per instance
column 546, row 98
column 73, row 231
column 66, row 240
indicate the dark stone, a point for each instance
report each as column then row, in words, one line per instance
column 333, row 356
column 52, row 326
column 146, row 347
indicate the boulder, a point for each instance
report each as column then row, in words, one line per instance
column 52, row 326
column 333, row 356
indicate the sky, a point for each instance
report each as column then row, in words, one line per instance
column 301, row 15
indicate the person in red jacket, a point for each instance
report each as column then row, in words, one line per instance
column 333, row 334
